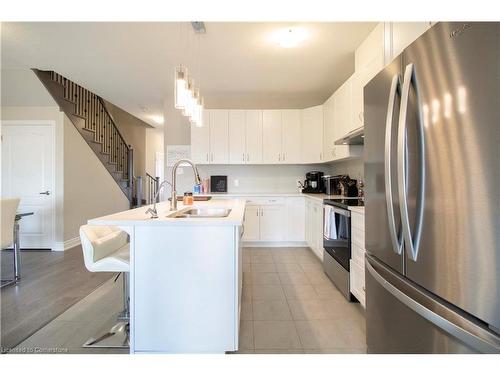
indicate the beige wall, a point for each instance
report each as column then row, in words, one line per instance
column 177, row 131
column 89, row 189
column 154, row 144
column 133, row 131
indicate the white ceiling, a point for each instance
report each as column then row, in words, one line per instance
column 236, row 65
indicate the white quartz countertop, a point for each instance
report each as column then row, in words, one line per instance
column 358, row 209
column 138, row 216
column 318, row 197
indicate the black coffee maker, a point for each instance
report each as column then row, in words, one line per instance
column 314, row 183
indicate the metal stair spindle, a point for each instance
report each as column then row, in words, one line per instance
column 89, row 115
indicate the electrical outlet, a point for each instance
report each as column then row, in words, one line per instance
column 236, row 183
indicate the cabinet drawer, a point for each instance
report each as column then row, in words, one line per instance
column 358, row 221
column 358, row 237
column 358, row 254
column 357, row 281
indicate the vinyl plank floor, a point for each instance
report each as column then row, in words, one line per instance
column 51, row 283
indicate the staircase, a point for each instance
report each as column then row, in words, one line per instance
column 87, row 111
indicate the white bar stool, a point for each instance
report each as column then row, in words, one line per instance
column 8, row 208
column 106, row 249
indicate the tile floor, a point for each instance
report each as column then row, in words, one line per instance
column 288, row 306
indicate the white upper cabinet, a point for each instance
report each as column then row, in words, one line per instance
column 342, row 110
column 369, row 57
column 200, row 141
column 357, row 104
column 291, row 130
column 312, row 134
column 245, row 136
column 237, row 125
column 271, row 136
column 253, row 137
column 403, row 34
column 219, row 139
column 329, row 129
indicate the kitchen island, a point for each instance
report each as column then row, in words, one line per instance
column 185, row 277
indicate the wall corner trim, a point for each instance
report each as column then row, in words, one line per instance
column 66, row 245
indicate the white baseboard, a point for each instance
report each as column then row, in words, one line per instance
column 66, row 245
column 274, row 244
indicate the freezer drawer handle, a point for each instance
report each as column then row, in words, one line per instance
column 483, row 345
column 397, row 241
column 412, row 244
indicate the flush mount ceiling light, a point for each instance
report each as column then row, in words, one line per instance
column 289, row 37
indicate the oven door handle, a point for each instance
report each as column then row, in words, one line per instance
column 339, row 210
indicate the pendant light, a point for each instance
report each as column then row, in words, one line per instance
column 180, row 87
column 187, row 98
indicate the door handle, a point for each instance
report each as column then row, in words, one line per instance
column 436, row 313
column 397, row 243
column 412, row 244
column 45, row 192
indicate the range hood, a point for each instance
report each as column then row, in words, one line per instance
column 355, row 137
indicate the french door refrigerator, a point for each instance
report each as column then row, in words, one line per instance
column 432, row 195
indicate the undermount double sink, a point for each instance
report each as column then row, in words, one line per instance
column 201, row 212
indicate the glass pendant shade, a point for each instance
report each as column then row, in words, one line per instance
column 193, row 117
column 200, row 108
column 186, row 111
column 180, row 87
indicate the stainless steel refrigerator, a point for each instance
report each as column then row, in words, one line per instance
column 432, row 195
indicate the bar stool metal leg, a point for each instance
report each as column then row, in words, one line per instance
column 118, row 335
column 17, row 252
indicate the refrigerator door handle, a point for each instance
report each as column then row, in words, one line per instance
column 454, row 324
column 412, row 242
column 397, row 243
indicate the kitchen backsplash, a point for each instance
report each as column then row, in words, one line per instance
column 354, row 168
column 252, row 178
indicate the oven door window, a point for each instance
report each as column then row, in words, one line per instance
column 337, row 236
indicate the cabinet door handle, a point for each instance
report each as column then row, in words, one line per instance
column 284, row 157
column 243, row 157
column 279, row 157
column 320, row 156
column 207, row 156
column 212, row 157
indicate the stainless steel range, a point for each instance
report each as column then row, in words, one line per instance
column 337, row 241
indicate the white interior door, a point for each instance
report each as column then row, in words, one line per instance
column 28, row 173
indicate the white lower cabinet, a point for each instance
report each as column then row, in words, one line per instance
column 296, row 220
column 273, row 223
column 357, row 281
column 314, row 227
column 357, row 262
column 265, row 219
column 251, row 223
